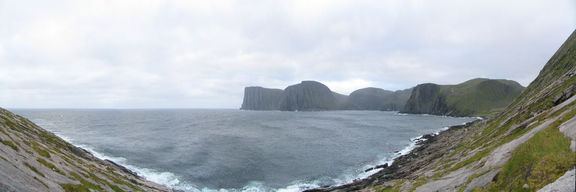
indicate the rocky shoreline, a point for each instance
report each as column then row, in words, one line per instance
column 33, row 159
column 528, row 145
column 429, row 148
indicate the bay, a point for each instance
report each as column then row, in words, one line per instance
column 234, row 150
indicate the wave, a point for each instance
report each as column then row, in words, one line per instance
column 350, row 175
column 170, row 180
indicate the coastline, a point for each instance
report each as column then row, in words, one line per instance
column 428, row 148
column 34, row 159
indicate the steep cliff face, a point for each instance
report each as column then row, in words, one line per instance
column 307, row 96
column 526, row 146
column 473, row 97
column 315, row 96
column 426, row 99
column 259, row 98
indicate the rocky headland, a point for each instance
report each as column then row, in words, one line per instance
column 259, row 98
column 528, row 146
column 315, row 96
column 476, row 97
column 307, row 96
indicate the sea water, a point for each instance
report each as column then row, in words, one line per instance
column 234, row 150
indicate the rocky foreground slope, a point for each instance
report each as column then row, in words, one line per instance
column 33, row 159
column 527, row 146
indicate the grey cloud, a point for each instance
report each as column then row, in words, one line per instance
column 203, row 53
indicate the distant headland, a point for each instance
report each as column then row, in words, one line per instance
column 472, row 98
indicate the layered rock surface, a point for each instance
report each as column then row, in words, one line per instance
column 33, row 159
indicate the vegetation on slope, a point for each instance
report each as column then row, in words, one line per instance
column 540, row 159
column 518, row 149
column 33, row 159
column 476, row 97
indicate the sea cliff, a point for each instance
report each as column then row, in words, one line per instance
column 525, row 147
column 259, row 98
column 315, row 96
column 307, row 96
column 476, row 97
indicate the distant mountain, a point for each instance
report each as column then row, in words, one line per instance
column 307, row 96
column 315, row 96
column 474, row 97
column 378, row 99
column 259, row 98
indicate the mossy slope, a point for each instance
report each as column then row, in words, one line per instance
column 33, row 159
column 522, row 148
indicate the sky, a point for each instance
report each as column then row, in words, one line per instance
column 201, row 54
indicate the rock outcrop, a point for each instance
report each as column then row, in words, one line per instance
column 33, row 159
column 259, row 98
column 473, row 97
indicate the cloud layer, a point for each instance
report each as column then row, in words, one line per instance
column 201, row 54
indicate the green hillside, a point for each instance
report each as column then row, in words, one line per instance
column 476, row 97
column 480, row 97
column 528, row 146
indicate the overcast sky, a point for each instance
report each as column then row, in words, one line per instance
column 201, row 54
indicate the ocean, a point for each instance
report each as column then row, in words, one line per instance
column 235, row 150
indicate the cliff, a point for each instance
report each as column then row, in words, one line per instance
column 258, row 98
column 527, row 146
column 378, row 99
column 307, row 96
column 315, row 96
column 33, row 159
column 475, row 97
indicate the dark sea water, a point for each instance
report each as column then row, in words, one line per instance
column 209, row 150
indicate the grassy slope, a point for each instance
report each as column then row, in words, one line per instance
column 538, row 161
column 480, row 97
column 34, row 159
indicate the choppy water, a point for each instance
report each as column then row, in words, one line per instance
column 205, row 150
